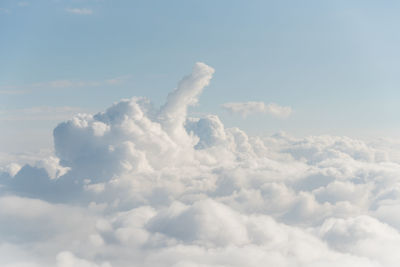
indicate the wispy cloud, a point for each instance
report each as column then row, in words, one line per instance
column 23, row 4
column 253, row 107
column 118, row 80
column 67, row 84
column 79, row 11
column 4, row 10
column 40, row 113
column 61, row 84
column 10, row 91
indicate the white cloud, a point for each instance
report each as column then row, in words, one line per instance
column 137, row 185
column 278, row 111
column 68, row 259
column 12, row 169
column 252, row 107
column 79, row 11
column 118, row 80
column 52, row 166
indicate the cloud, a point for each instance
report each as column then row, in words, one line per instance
column 173, row 113
column 138, row 185
column 79, row 11
column 23, row 4
column 61, row 84
column 68, row 259
column 66, row 84
column 4, row 11
column 12, row 92
column 118, row 80
column 40, row 113
column 361, row 235
column 248, row 108
column 11, row 169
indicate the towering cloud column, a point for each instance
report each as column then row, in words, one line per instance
column 172, row 115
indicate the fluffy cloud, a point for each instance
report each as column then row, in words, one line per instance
column 137, row 185
column 252, row 107
column 67, row 259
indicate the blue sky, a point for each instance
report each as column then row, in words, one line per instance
column 335, row 63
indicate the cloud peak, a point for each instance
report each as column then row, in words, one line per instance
column 173, row 114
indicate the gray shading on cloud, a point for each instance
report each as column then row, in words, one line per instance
column 140, row 186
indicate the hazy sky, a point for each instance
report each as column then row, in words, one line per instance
column 334, row 63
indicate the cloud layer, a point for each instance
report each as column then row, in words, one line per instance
column 137, row 185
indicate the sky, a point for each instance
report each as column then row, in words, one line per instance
column 199, row 133
column 334, row 63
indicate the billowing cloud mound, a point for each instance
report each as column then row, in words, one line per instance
column 141, row 186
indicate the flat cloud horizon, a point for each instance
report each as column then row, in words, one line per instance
column 140, row 186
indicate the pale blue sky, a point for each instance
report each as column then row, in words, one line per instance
column 335, row 63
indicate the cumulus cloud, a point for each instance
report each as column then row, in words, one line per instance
column 138, row 185
column 11, row 169
column 247, row 108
